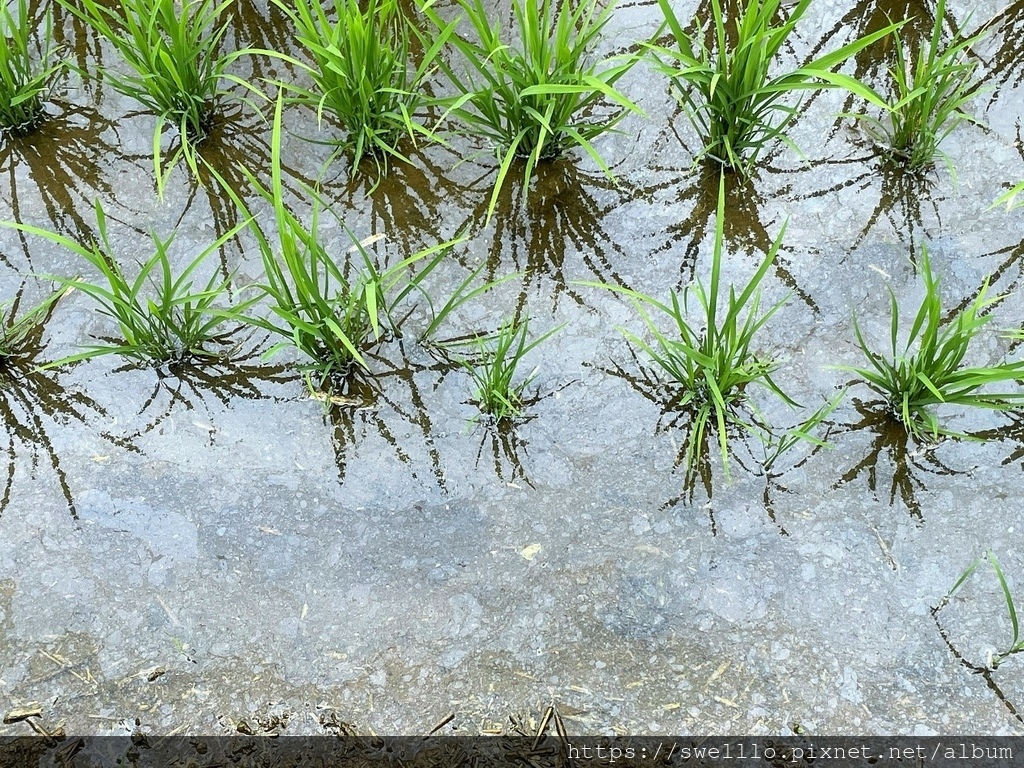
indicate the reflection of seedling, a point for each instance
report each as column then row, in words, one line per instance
column 361, row 74
column 928, row 99
column 29, row 396
column 161, row 317
column 494, row 368
column 1016, row 644
column 733, row 97
column 23, row 80
column 929, row 370
column 534, row 99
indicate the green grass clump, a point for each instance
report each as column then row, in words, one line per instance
column 361, row 72
column 493, row 369
column 929, row 370
column 1017, row 643
column 163, row 318
column 24, row 77
column 734, row 96
column 177, row 69
column 710, row 355
column 541, row 95
column 330, row 309
column 929, row 94
column 1010, row 197
column 17, row 327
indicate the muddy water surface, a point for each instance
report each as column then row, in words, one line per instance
column 200, row 549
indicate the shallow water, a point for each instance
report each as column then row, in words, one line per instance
column 269, row 557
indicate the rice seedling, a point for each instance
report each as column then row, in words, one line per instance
column 361, row 73
column 928, row 370
column 929, row 94
column 535, row 99
column 1017, row 643
column 463, row 293
column 1010, row 197
column 493, row 369
column 727, row 83
column 17, row 327
column 162, row 318
column 709, row 356
column 331, row 312
column 25, row 74
column 177, row 69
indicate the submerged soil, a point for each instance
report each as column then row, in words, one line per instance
column 215, row 548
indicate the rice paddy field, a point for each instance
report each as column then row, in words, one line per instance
column 228, row 544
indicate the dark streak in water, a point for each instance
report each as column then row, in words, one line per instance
column 406, row 205
column 892, row 441
column 31, row 401
column 742, row 227
column 900, row 199
column 63, row 159
column 260, row 25
column 224, row 377
column 354, row 404
column 507, row 449
column 872, row 64
column 564, row 207
column 985, row 672
column 1006, row 67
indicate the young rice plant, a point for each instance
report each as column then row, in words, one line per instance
column 1010, row 197
column 929, row 95
column 929, row 370
column 493, row 370
column 1017, row 643
column 163, row 318
column 330, row 315
column 16, row 326
column 463, row 293
column 26, row 70
column 538, row 97
column 709, row 355
column 177, row 70
column 732, row 97
column 361, row 73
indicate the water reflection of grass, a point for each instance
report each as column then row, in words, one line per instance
column 363, row 404
column 237, row 374
column 1006, row 65
column 64, row 160
column 743, row 225
column 532, row 235
column 32, row 401
column 908, row 458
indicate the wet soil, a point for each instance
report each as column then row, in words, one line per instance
column 216, row 548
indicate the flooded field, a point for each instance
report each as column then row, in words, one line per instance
column 217, row 549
